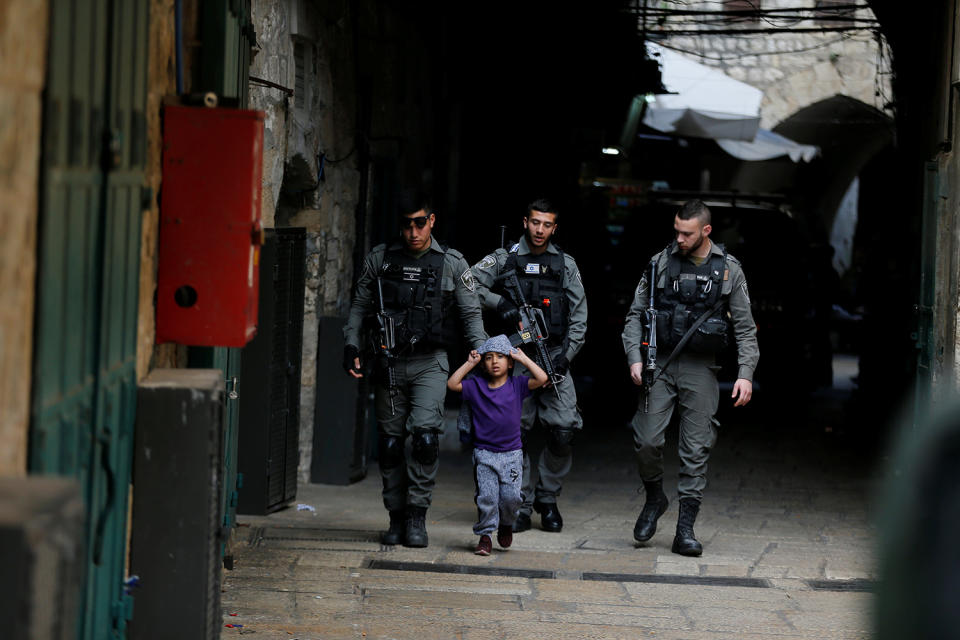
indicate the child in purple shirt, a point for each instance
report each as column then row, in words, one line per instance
column 496, row 401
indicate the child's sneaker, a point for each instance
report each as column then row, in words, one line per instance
column 485, row 546
column 505, row 535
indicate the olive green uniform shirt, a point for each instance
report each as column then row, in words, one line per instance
column 487, row 270
column 738, row 306
column 456, row 277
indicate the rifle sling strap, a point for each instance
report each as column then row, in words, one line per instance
column 686, row 338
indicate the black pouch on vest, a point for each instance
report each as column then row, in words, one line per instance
column 711, row 336
column 680, row 323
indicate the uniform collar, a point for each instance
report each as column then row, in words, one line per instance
column 524, row 248
column 398, row 245
column 714, row 249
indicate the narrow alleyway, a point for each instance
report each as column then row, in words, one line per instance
column 786, row 527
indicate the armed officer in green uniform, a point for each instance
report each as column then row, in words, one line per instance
column 696, row 279
column 551, row 281
column 417, row 288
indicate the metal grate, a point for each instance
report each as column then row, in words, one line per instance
column 300, row 79
column 427, row 567
column 865, row 586
column 270, row 424
column 316, row 535
column 543, row 574
column 656, row 578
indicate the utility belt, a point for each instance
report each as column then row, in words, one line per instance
column 710, row 337
column 407, row 342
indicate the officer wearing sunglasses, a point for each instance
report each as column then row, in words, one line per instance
column 429, row 299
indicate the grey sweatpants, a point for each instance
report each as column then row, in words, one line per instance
column 498, row 475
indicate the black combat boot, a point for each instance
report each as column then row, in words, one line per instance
column 416, row 527
column 522, row 523
column 684, row 543
column 550, row 519
column 653, row 508
column 394, row 535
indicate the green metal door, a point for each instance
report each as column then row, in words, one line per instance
column 228, row 37
column 226, row 360
column 225, row 69
column 91, row 199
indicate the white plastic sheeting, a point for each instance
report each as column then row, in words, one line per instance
column 707, row 103
column 844, row 228
column 702, row 88
column 696, row 123
column 768, row 145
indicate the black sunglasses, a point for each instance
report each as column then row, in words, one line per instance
column 420, row 221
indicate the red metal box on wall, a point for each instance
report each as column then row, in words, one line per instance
column 210, row 232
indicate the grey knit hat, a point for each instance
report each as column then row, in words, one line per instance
column 497, row 344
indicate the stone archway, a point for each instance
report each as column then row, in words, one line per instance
column 848, row 132
column 853, row 76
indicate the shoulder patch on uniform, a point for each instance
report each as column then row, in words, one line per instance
column 467, row 279
column 743, row 287
column 515, row 248
column 487, row 262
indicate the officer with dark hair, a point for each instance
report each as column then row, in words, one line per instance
column 696, row 279
column 551, row 281
column 424, row 288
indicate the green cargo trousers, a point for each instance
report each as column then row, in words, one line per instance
column 418, row 407
column 690, row 382
column 553, row 413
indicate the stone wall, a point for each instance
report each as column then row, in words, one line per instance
column 794, row 70
column 318, row 121
column 315, row 147
column 23, row 39
column 270, row 62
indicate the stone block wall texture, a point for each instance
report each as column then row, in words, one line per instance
column 316, row 130
column 315, row 253
column 794, row 70
column 297, row 131
column 312, row 142
column 23, row 39
column 274, row 51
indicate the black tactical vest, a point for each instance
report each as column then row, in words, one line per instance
column 690, row 291
column 412, row 295
column 541, row 280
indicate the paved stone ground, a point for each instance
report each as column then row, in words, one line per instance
column 785, row 525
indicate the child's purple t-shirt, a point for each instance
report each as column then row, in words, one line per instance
column 496, row 412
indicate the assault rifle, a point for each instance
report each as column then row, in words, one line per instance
column 532, row 328
column 385, row 343
column 650, row 338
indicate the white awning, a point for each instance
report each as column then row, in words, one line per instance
column 707, row 103
column 768, row 145
column 694, row 123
